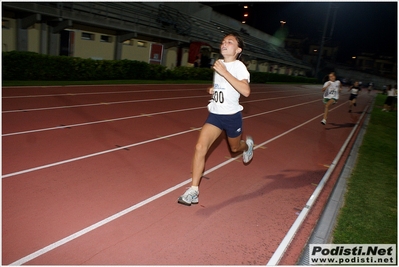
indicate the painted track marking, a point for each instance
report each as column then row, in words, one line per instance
column 131, row 117
column 278, row 254
column 131, row 101
column 99, row 104
column 148, row 200
column 127, row 92
column 128, row 146
column 100, row 93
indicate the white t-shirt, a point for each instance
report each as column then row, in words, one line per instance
column 392, row 92
column 332, row 91
column 225, row 99
column 355, row 90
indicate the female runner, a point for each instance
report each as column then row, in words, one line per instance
column 331, row 91
column 231, row 79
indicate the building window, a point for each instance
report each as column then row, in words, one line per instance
column 87, row 36
column 141, row 44
column 5, row 24
column 106, row 38
column 128, row 42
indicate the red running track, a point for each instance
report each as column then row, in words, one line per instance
column 91, row 174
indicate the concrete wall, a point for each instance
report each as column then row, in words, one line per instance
column 263, row 67
column 136, row 51
column 94, row 48
column 140, row 53
column 171, row 57
column 184, row 59
column 34, row 38
column 9, row 36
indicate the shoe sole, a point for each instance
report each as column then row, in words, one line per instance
column 246, row 162
column 253, row 144
column 180, row 201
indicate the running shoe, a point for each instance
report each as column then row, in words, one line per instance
column 247, row 155
column 323, row 121
column 189, row 197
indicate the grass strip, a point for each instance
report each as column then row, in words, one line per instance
column 369, row 214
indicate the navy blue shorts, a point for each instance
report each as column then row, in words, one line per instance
column 352, row 96
column 232, row 124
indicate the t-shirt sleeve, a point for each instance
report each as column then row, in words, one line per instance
column 242, row 72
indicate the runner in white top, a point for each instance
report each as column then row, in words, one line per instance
column 354, row 89
column 231, row 80
column 391, row 98
column 331, row 91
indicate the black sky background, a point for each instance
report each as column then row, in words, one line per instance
column 359, row 26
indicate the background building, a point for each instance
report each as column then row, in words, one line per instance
column 171, row 34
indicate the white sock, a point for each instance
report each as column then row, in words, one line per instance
column 194, row 187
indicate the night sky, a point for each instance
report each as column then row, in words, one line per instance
column 359, row 26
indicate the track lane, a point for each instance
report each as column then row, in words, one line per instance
column 257, row 126
column 17, row 119
column 138, row 129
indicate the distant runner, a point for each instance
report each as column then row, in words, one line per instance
column 354, row 89
column 331, row 91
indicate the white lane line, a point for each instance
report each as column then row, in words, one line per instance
column 96, row 154
column 96, row 225
column 102, row 93
column 88, row 85
column 279, row 109
column 131, row 145
column 102, row 121
column 103, row 103
column 135, row 91
column 136, row 116
column 120, row 102
column 142, row 203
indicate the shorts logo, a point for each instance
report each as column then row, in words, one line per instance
column 238, row 130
